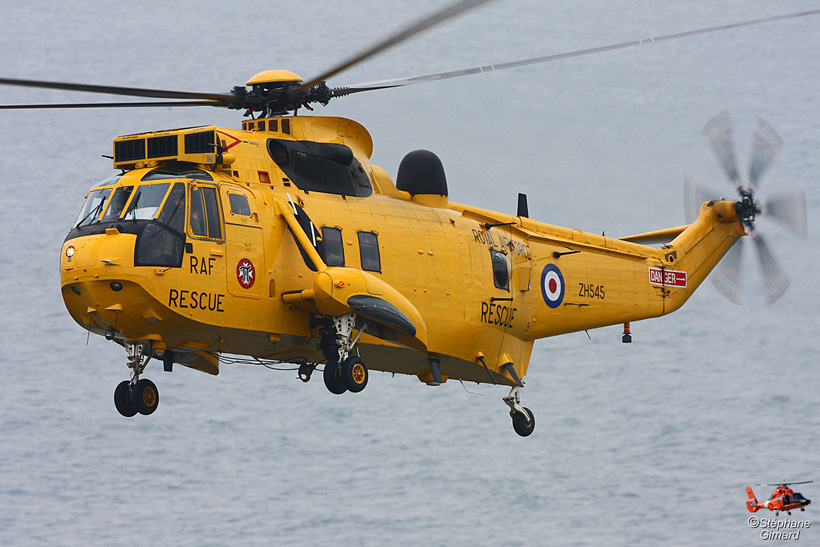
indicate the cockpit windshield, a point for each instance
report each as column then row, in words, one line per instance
column 117, row 203
column 146, row 201
column 153, row 212
column 94, row 205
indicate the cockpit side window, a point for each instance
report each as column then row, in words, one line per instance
column 212, row 213
column 204, row 217
column 198, row 227
column 146, row 201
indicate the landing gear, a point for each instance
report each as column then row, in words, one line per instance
column 137, row 396
column 343, row 371
column 522, row 418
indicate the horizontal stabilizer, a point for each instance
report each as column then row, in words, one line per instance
column 657, row 237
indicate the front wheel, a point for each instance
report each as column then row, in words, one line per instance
column 520, row 422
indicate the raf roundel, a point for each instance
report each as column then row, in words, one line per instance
column 245, row 273
column 552, row 285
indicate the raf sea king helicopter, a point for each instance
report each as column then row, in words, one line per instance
column 282, row 241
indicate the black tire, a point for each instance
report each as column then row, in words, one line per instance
column 123, row 401
column 146, row 396
column 333, row 379
column 520, row 423
column 354, row 374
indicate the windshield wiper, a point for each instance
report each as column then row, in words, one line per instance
column 93, row 213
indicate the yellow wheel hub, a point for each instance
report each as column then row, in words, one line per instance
column 359, row 373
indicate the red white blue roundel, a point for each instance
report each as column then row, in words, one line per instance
column 245, row 273
column 552, row 285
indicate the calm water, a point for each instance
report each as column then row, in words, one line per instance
column 649, row 443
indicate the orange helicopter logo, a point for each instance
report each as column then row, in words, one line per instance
column 782, row 499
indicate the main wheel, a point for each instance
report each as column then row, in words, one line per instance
column 520, row 423
column 354, row 374
column 145, row 396
column 123, row 400
column 333, row 379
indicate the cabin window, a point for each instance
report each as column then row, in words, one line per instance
column 501, row 270
column 239, row 204
column 146, row 201
column 204, row 217
column 333, row 246
column 117, row 202
column 369, row 251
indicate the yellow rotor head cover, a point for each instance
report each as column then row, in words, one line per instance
column 274, row 76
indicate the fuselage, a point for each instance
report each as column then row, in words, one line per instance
column 241, row 245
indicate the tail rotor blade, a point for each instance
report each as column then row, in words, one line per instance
column 790, row 210
column 726, row 277
column 718, row 131
column 695, row 195
column 766, row 145
column 774, row 278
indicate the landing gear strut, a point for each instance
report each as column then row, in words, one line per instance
column 137, row 395
column 522, row 418
column 343, row 371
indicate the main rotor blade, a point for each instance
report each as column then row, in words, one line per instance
column 718, row 131
column 417, row 27
column 116, row 90
column 774, row 278
column 766, row 145
column 790, row 210
column 399, row 82
column 726, row 276
column 108, row 105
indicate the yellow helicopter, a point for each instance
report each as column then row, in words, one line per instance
column 282, row 242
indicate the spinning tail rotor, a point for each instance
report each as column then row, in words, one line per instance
column 789, row 209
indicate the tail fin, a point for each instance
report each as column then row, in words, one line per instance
column 751, row 505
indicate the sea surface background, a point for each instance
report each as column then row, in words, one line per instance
column 644, row 444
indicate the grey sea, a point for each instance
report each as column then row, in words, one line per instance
column 649, row 443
